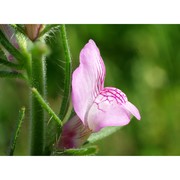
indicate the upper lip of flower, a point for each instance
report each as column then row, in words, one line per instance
column 88, row 93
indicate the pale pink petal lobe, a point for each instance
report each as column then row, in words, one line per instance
column 131, row 108
column 108, row 110
column 87, row 79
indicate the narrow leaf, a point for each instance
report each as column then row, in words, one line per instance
column 48, row 28
column 102, row 134
column 68, row 72
column 19, row 28
column 10, row 64
column 92, row 150
column 6, row 74
column 46, row 106
column 18, row 127
column 10, row 48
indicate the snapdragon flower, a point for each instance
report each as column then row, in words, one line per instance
column 96, row 106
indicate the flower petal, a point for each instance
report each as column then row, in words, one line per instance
column 108, row 109
column 131, row 108
column 87, row 79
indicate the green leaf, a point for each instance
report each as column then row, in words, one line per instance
column 102, row 134
column 92, row 150
column 11, row 49
column 15, row 135
column 10, row 64
column 48, row 28
column 6, row 74
column 68, row 71
column 19, row 28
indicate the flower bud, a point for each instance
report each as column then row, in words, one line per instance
column 33, row 31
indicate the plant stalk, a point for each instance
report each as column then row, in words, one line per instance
column 38, row 119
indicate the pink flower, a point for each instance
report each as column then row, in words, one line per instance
column 98, row 106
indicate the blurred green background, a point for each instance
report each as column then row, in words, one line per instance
column 141, row 60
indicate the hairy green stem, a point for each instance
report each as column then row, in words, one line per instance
column 68, row 71
column 38, row 119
